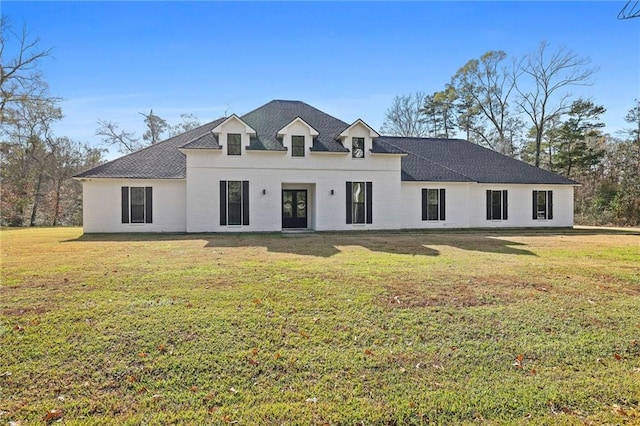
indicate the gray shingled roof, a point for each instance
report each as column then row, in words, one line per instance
column 160, row 161
column 273, row 116
column 206, row 141
column 457, row 160
column 436, row 160
column 383, row 148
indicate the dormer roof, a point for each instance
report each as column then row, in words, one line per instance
column 345, row 132
column 285, row 129
column 248, row 129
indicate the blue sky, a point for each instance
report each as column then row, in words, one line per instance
column 112, row 60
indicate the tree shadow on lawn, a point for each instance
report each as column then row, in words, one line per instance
column 330, row 244
column 407, row 242
column 327, row 244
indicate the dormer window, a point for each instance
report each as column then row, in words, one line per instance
column 235, row 132
column 297, row 146
column 234, row 144
column 294, row 136
column 357, row 147
column 361, row 136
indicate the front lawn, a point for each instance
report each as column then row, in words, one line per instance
column 527, row 327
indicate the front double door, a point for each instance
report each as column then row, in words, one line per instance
column 294, row 208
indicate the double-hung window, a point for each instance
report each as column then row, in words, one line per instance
column 297, row 146
column 234, row 202
column 542, row 205
column 497, row 207
column 137, row 204
column 359, row 202
column 234, row 144
column 433, row 204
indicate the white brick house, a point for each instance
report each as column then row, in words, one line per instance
column 289, row 165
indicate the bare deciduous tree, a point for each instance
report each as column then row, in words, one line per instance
column 127, row 142
column 541, row 78
column 189, row 122
column 19, row 75
column 405, row 116
column 112, row 135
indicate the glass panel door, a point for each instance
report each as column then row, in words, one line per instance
column 294, row 208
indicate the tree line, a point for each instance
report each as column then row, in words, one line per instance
column 522, row 107
column 36, row 165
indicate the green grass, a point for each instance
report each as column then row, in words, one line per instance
column 488, row 327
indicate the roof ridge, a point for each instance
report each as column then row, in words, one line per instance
column 176, row 136
column 166, row 140
column 297, row 102
column 428, row 159
column 426, row 139
column 255, row 109
column 196, row 128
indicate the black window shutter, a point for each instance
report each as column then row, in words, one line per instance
column 505, row 206
column 223, row 202
column 488, row 204
column 245, row 202
column 148, row 204
column 125, row 204
column 424, row 204
column 442, row 205
column 535, row 205
column 550, row 205
column 349, row 211
column 369, row 196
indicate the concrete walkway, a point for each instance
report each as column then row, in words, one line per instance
column 606, row 228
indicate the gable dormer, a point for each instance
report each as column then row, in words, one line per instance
column 297, row 137
column 233, row 135
column 358, row 138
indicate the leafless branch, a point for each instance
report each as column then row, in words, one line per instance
column 546, row 74
column 112, row 135
column 19, row 76
column 404, row 117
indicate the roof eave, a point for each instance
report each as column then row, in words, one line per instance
column 319, row 151
column 183, row 148
column 81, row 178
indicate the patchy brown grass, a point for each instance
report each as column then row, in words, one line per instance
column 29, row 310
column 515, row 327
column 489, row 290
